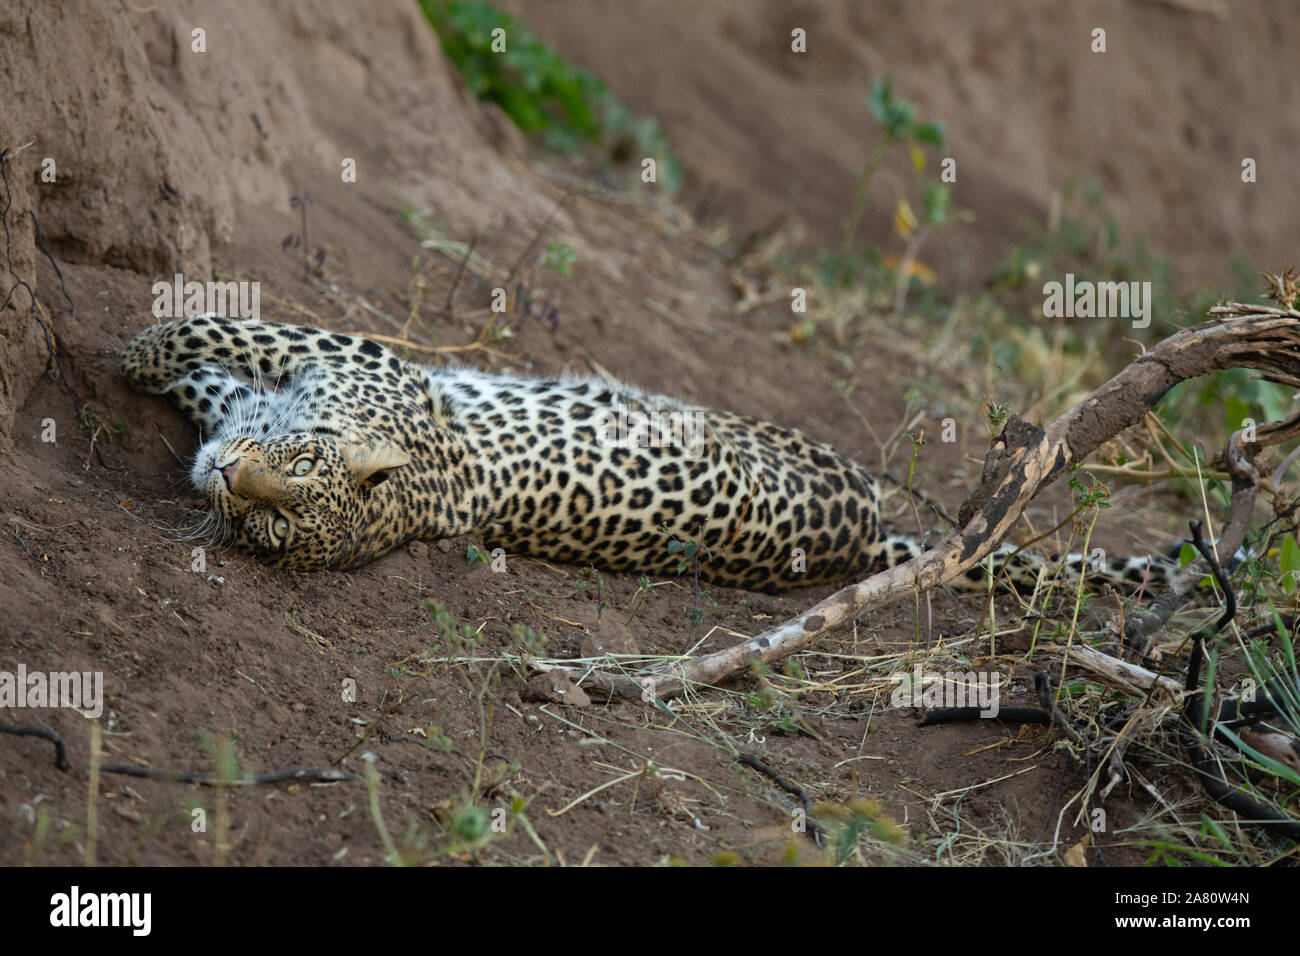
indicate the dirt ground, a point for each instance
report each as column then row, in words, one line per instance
column 169, row 160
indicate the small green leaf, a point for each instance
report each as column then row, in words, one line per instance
column 936, row 200
column 1235, row 411
column 1289, row 560
column 931, row 133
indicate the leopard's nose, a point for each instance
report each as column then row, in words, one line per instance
column 228, row 473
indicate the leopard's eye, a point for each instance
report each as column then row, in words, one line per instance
column 279, row 527
column 302, row 466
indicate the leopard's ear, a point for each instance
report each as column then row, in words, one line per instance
column 372, row 464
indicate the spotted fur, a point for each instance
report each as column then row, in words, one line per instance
column 325, row 450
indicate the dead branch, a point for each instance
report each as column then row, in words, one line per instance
column 1023, row 461
column 1128, row 677
column 479, row 344
column 1121, row 674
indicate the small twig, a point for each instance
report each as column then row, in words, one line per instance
column 1043, row 687
column 1125, row 471
column 904, row 280
column 477, row 345
column 300, row 309
column 417, row 300
column 923, row 498
column 1280, row 471
column 1245, row 485
column 815, row 831
column 213, row 778
column 170, row 448
column 14, row 532
column 302, row 200
column 376, row 729
column 447, row 307
column 60, row 750
column 537, row 236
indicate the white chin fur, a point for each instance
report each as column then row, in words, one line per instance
column 204, row 462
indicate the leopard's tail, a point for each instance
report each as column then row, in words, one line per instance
column 1022, row 571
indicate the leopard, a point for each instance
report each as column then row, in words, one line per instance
column 323, row 450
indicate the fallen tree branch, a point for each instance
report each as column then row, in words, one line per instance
column 1234, row 711
column 1023, row 461
column 1118, row 673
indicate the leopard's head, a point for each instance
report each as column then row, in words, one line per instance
column 301, row 502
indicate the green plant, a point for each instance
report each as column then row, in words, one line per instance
column 459, row 639
column 778, row 708
column 1289, row 562
column 1082, row 237
column 995, row 416
column 528, row 640
column 690, row 559
column 643, row 586
column 899, row 125
column 394, row 855
column 689, row 551
column 1272, row 673
column 566, row 108
column 100, row 429
column 847, row 823
column 588, row 576
column 1094, row 496
column 704, row 603
column 560, row 257
column 221, row 748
